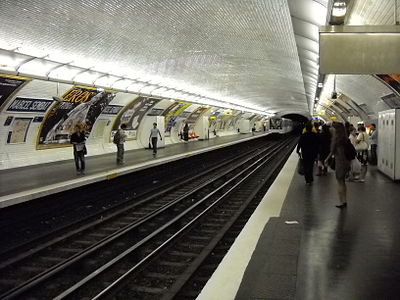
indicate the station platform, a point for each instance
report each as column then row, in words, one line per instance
column 27, row 183
column 298, row 245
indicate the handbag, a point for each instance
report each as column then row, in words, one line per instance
column 300, row 166
column 84, row 150
column 355, row 166
column 361, row 144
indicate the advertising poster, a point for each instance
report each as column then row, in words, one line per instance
column 172, row 113
column 80, row 106
column 19, row 130
column 29, row 105
column 393, row 80
column 132, row 114
column 195, row 115
column 155, row 112
column 9, row 85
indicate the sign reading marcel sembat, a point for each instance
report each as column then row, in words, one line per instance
column 29, row 105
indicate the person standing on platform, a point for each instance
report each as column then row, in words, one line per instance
column 253, row 130
column 78, row 141
column 342, row 164
column 324, row 147
column 154, row 133
column 362, row 146
column 186, row 132
column 374, row 144
column 307, row 148
column 119, row 140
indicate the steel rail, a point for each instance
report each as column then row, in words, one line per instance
column 253, row 167
column 75, row 258
column 99, row 216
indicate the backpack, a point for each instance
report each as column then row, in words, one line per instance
column 117, row 137
column 349, row 150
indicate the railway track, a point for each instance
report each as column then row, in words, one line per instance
column 58, row 264
column 51, row 213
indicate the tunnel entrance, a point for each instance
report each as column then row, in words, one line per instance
column 299, row 121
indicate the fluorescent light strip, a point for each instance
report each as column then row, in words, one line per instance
column 22, row 63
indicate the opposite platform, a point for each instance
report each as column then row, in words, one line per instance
column 27, row 183
column 353, row 253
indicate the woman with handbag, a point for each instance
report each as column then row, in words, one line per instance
column 362, row 146
column 342, row 164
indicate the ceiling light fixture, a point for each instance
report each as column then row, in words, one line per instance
column 21, row 61
column 339, row 9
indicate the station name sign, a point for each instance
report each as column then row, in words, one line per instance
column 112, row 110
column 29, row 105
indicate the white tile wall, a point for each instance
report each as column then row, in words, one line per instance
column 99, row 142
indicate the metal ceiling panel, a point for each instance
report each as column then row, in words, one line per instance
column 220, row 49
column 360, row 49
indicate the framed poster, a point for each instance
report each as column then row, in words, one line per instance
column 79, row 106
column 195, row 115
column 19, row 130
column 172, row 113
column 132, row 114
column 9, row 86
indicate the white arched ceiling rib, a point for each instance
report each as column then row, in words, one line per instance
column 307, row 16
column 219, row 49
column 362, row 89
column 373, row 12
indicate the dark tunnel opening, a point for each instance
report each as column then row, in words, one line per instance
column 299, row 121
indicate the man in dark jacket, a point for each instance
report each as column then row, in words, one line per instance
column 307, row 148
column 78, row 141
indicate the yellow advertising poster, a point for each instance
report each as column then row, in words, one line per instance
column 79, row 106
column 172, row 113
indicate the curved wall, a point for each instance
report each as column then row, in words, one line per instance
column 22, row 126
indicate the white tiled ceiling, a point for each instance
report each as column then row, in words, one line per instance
column 241, row 51
column 373, row 12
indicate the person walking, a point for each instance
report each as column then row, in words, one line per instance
column 307, row 148
column 374, row 144
column 78, row 141
column 154, row 133
column 324, row 147
column 119, row 140
column 342, row 164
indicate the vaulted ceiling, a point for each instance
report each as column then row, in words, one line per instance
column 258, row 54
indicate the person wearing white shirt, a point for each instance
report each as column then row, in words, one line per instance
column 154, row 133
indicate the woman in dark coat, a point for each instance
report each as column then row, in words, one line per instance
column 342, row 164
column 186, row 132
column 307, row 148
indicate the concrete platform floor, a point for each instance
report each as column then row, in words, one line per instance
column 351, row 253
